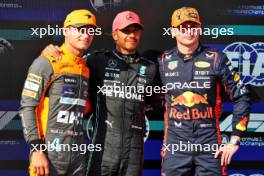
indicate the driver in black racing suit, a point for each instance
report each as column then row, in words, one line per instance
column 119, row 110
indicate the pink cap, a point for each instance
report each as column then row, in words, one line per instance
column 126, row 18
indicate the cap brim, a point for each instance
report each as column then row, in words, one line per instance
column 138, row 25
column 84, row 24
column 188, row 20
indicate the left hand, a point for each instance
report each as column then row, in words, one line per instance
column 226, row 152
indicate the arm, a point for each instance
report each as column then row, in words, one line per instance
column 38, row 76
column 239, row 95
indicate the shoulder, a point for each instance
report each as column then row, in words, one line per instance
column 218, row 57
column 41, row 63
column 97, row 56
column 97, row 53
column 166, row 55
column 146, row 61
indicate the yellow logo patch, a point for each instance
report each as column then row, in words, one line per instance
column 34, row 78
column 242, row 125
column 202, row 64
column 236, row 77
column 29, row 93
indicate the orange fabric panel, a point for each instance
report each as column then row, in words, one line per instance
column 42, row 116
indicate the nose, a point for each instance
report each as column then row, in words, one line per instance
column 131, row 34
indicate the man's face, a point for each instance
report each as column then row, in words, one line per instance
column 127, row 38
column 80, row 38
column 187, row 33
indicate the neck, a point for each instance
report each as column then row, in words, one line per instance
column 184, row 49
column 125, row 51
column 73, row 50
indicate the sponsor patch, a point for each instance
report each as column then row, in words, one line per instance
column 31, row 86
column 85, row 82
column 202, row 64
column 172, row 65
column 142, row 70
column 34, row 78
column 69, row 90
column 29, row 93
column 242, row 125
column 72, row 101
column 236, row 77
column 70, row 80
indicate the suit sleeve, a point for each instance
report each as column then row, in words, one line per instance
column 38, row 76
column 238, row 93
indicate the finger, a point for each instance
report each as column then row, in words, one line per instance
column 223, row 158
column 46, row 169
column 55, row 51
column 41, row 171
column 59, row 49
column 38, row 171
column 229, row 158
column 218, row 152
column 35, row 170
column 226, row 158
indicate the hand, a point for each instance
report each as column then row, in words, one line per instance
column 162, row 152
column 226, row 151
column 52, row 50
column 40, row 163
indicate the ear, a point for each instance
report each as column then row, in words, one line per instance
column 114, row 35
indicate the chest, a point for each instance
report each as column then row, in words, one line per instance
column 196, row 75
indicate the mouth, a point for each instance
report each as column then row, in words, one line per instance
column 85, row 41
column 131, row 41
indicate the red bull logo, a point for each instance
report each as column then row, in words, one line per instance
column 195, row 113
column 188, row 99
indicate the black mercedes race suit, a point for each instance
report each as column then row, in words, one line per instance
column 52, row 107
column 193, row 106
column 118, row 85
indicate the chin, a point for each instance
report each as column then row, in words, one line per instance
column 132, row 47
column 84, row 46
column 190, row 42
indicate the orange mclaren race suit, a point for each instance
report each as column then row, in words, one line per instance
column 193, row 106
column 54, row 100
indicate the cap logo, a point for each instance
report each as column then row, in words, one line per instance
column 130, row 17
column 89, row 16
column 179, row 17
column 192, row 15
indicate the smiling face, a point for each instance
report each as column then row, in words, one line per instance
column 127, row 39
column 187, row 34
column 79, row 38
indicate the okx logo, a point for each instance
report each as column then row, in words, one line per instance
column 248, row 60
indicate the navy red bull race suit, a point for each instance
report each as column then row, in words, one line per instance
column 193, row 107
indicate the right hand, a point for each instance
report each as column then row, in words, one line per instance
column 52, row 50
column 40, row 163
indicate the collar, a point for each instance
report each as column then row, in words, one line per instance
column 187, row 57
column 133, row 58
column 68, row 54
